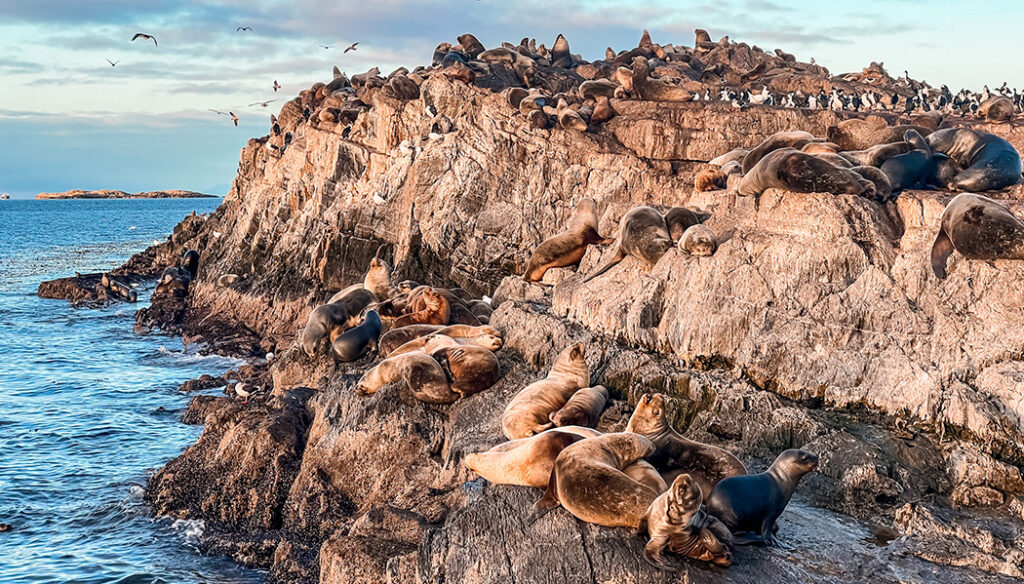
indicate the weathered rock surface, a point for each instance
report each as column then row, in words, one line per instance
column 113, row 194
column 817, row 324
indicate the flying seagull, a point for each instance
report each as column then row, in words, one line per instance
column 276, row 86
column 325, row 47
column 262, row 103
column 113, row 63
column 234, row 118
column 351, row 47
column 241, row 28
column 142, row 35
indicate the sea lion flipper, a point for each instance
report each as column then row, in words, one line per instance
column 641, row 528
column 941, row 249
column 550, row 499
column 654, row 556
column 618, row 257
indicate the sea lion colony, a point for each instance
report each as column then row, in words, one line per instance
column 694, row 500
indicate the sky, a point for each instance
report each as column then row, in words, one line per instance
column 70, row 120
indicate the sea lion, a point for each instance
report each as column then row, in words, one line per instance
column 698, row 240
column 749, row 505
column 709, row 180
column 526, row 461
column 820, row 148
column 649, row 88
column 833, row 159
column 857, row 134
column 980, row 229
column 796, row 140
column 569, row 119
column 529, row 411
column 735, row 155
column 358, row 340
column 643, row 234
column 989, row 162
column 480, row 308
column 883, row 187
column 597, row 88
column 484, row 336
column 797, row 172
column 470, row 369
column 436, row 310
column 422, row 374
column 190, row 262
column 227, row 280
column 561, row 55
column 876, row 155
column 603, row 111
column 678, row 220
column 566, row 248
column 997, row 109
column 378, row 279
column 914, row 169
column 587, row 480
column 583, row 408
column 341, row 314
column 407, row 286
column 675, row 454
column 676, row 521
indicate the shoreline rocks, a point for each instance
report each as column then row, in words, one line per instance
column 113, row 194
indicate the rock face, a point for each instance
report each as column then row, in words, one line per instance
column 817, row 324
column 106, row 194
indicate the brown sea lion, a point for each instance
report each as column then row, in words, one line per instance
column 997, row 109
column 378, row 279
column 820, row 148
column 649, row 88
column 458, row 310
column 335, row 317
column 735, row 155
column 794, row 171
column 471, row 369
column 883, row 187
column 980, row 229
column 675, row 454
column 698, row 240
column 423, row 376
column 678, row 220
column 568, row 247
column 529, row 411
column 709, row 180
column 857, row 134
column 603, row 111
column 643, row 234
column 749, row 505
column 588, row 481
column 876, row 155
column 583, row 408
column 797, row 140
column 526, row 461
column 597, row 88
column 484, row 336
column 436, row 310
column 676, row 521
column 569, row 119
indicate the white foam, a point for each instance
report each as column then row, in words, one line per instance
column 192, row 529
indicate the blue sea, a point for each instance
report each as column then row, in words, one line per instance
column 88, row 409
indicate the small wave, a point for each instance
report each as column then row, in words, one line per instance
column 192, row 529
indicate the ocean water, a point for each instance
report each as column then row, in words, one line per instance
column 87, row 407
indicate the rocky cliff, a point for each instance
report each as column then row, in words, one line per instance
column 816, row 324
column 108, row 194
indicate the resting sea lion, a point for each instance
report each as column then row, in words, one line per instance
column 583, row 408
column 988, row 161
column 675, row 454
column 529, row 411
column 566, row 248
column 857, row 134
column 526, row 461
column 675, row 520
column 357, row 341
column 422, row 374
column 997, row 109
column 698, row 240
column 341, row 314
column 980, row 229
column 458, row 311
column 588, row 481
column 883, row 188
column 407, row 286
column 471, row 369
column 655, row 89
column 678, row 220
column 915, row 169
column 796, row 140
column 436, row 310
column 797, row 172
column 643, row 234
column 709, row 180
column 736, row 155
column 749, row 505
column 876, row 155
column 484, row 336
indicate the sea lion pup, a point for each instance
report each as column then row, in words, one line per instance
column 566, row 248
column 857, row 134
column 989, row 162
column 794, row 171
column 529, row 411
column 421, row 373
column 643, row 234
column 980, row 229
column 675, row 454
column 583, row 408
column 648, row 88
column 588, row 481
column 778, row 140
column 749, row 505
column 698, row 241
column 735, row 155
column 358, row 340
column 436, row 310
column 484, row 336
column 709, row 180
column 470, row 369
column 675, row 520
column 997, row 109
column 569, row 119
column 227, row 280
column 342, row 313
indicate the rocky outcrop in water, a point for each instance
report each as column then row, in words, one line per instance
column 108, row 194
column 817, row 325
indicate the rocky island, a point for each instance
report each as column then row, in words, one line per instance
column 113, row 194
column 817, row 324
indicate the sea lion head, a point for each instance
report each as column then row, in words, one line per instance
column 406, row 286
column 684, row 500
column 489, row 342
column 649, row 416
column 794, row 463
column 698, row 240
column 713, row 550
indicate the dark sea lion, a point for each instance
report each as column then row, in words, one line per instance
column 435, row 310
column 421, row 373
column 857, row 134
column 643, row 234
column 675, row 520
column 913, row 169
column 876, row 155
column 480, row 308
column 588, row 480
column 561, row 55
column 341, row 314
column 566, row 248
column 678, row 220
column 749, row 505
column 470, row 369
column 980, row 229
column 583, row 408
column 989, row 162
column 529, row 412
column 358, row 340
column 407, row 286
column 698, row 241
column 794, row 171
column 797, row 140
column 526, row 461
column 833, row 159
column 675, row 454
column 484, row 336
column 883, row 187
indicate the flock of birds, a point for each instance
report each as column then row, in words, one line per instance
column 232, row 115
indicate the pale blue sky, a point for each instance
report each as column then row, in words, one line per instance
column 69, row 120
